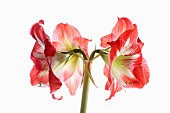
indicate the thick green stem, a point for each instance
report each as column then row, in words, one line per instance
column 85, row 93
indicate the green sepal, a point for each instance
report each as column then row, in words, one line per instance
column 104, row 56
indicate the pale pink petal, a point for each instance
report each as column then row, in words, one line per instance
column 67, row 68
column 106, row 71
column 105, row 39
column 64, row 34
column 73, row 82
column 58, row 46
column 74, row 78
column 82, row 43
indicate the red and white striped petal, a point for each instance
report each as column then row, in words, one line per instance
column 54, row 82
column 142, row 74
column 114, row 87
column 38, row 77
column 38, row 57
column 129, row 36
column 112, row 84
column 38, row 33
column 122, row 25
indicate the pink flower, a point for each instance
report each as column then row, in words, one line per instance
column 70, row 68
column 126, row 68
column 55, row 61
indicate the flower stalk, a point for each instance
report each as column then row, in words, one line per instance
column 87, row 77
column 85, row 93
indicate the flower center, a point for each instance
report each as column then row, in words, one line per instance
column 121, row 67
column 68, row 45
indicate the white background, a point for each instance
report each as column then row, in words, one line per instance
column 93, row 19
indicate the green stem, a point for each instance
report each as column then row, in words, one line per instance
column 86, row 77
column 85, row 93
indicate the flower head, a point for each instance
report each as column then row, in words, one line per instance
column 70, row 70
column 41, row 55
column 55, row 61
column 127, row 67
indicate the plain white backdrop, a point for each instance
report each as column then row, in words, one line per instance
column 93, row 19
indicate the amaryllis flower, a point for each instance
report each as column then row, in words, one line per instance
column 70, row 68
column 41, row 55
column 57, row 61
column 126, row 68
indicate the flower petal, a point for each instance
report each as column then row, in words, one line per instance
column 54, row 82
column 130, row 36
column 64, row 34
column 38, row 77
column 115, row 47
column 122, row 25
column 106, row 73
column 112, row 84
column 82, row 43
column 142, row 73
column 49, row 49
column 58, row 45
column 105, row 39
column 38, row 57
column 131, row 61
column 67, row 68
column 131, row 50
column 53, row 96
column 114, row 87
column 73, row 82
column 37, row 32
